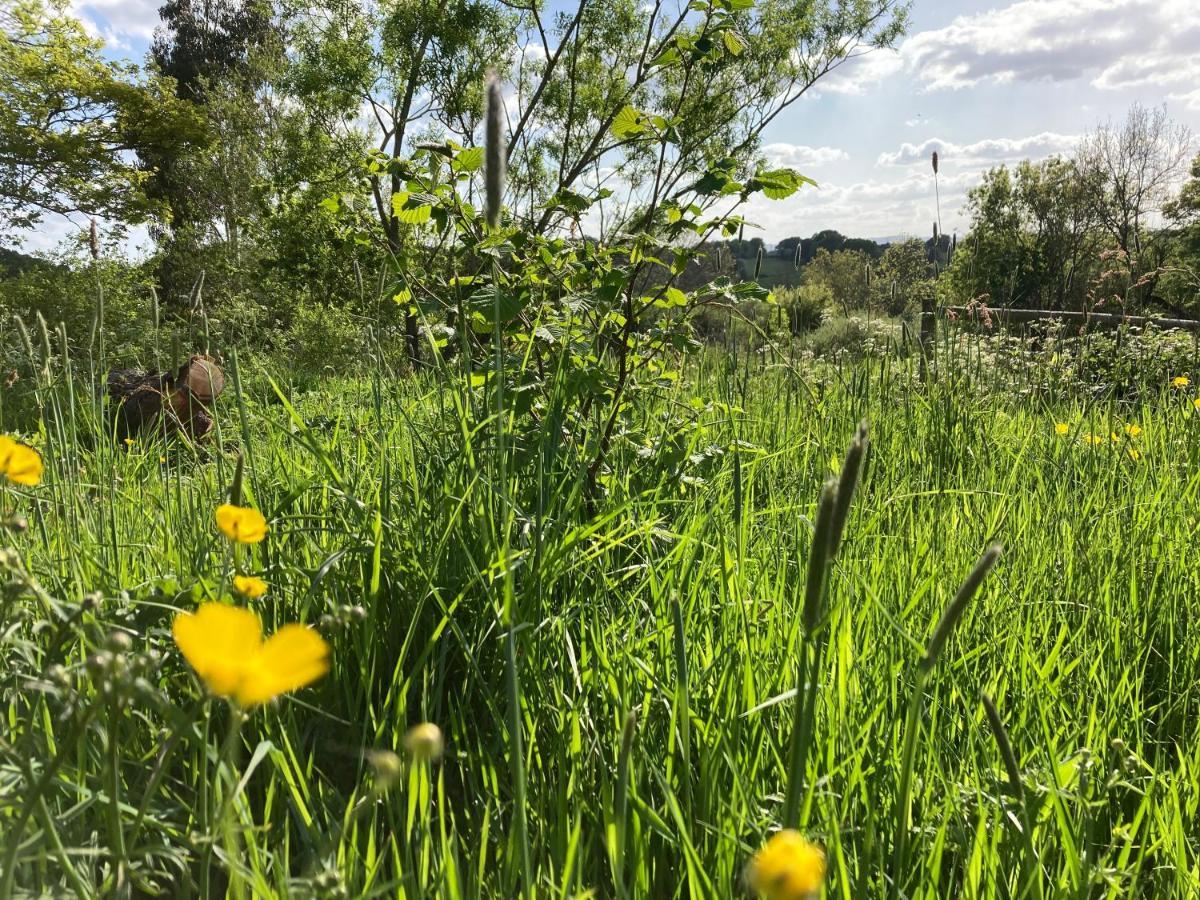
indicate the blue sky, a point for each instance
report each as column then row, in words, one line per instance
column 981, row 82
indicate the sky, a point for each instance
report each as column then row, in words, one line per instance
column 982, row 82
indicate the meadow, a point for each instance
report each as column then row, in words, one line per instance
column 653, row 643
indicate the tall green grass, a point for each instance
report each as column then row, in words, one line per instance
column 658, row 644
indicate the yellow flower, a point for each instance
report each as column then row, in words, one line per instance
column 1115, row 437
column 129, row 442
column 224, row 645
column 1135, row 453
column 789, row 867
column 1181, row 381
column 18, row 463
column 1062, row 428
column 249, row 586
column 1196, row 403
column 246, row 526
column 424, row 742
column 1133, row 430
column 1094, row 439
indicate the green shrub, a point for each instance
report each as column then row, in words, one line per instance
column 325, row 339
column 853, row 336
column 806, row 305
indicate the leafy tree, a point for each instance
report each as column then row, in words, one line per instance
column 1181, row 282
column 844, row 272
column 201, row 44
column 417, row 67
column 70, row 119
column 901, row 277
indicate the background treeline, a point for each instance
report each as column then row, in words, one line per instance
column 264, row 145
column 268, row 146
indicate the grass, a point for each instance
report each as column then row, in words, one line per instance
column 657, row 646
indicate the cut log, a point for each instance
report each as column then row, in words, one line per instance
column 179, row 402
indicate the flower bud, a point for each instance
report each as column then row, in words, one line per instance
column 424, row 742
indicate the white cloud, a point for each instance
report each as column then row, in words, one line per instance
column 869, row 208
column 1115, row 43
column 801, row 156
column 986, row 152
column 1190, row 100
column 858, row 75
column 119, row 20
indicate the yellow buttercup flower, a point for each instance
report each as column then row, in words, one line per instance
column 1094, row 439
column 1133, row 430
column 788, row 867
column 1135, row 453
column 249, row 586
column 1196, row 403
column 224, row 645
column 246, row 526
column 18, row 463
column 1062, row 428
column 1181, row 381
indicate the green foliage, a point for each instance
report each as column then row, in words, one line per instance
column 806, row 306
column 853, row 337
column 69, row 119
column 681, row 600
column 326, row 339
column 845, row 274
column 1033, row 239
column 902, row 278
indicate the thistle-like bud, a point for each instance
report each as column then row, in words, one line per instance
column 424, row 742
column 387, row 766
column 495, row 151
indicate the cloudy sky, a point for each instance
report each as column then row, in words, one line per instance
column 980, row 81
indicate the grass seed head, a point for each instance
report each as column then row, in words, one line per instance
column 495, row 151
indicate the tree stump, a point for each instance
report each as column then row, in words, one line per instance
column 181, row 402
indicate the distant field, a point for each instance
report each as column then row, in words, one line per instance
column 774, row 271
column 658, row 646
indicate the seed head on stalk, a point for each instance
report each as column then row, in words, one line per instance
column 494, row 143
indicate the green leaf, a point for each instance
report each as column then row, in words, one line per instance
column 628, row 123
column 778, row 183
column 470, row 160
column 734, row 42
column 668, row 56
column 415, row 215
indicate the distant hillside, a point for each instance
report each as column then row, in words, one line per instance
column 14, row 262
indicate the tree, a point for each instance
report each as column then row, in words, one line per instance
column 1138, row 165
column 901, row 276
column 201, row 44
column 1181, row 282
column 844, row 272
column 659, row 96
column 70, row 121
column 415, row 67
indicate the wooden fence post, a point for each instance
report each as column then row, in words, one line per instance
column 927, row 335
